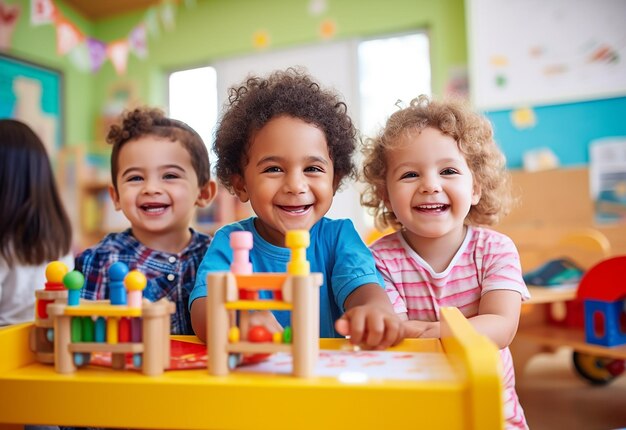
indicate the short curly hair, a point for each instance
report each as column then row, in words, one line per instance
column 474, row 136
column 292, row 92
column 147, row 121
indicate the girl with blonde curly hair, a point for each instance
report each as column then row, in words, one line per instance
column 436, row 174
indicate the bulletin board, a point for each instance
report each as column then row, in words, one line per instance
column 543, row 52
column 33, row 94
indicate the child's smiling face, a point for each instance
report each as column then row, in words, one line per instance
column 157, row 189
column 430, row 187
column 289, row 177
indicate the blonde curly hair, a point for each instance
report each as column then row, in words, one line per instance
column 474, row 136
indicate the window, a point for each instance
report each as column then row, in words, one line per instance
column 391, row 69
column 193, row 99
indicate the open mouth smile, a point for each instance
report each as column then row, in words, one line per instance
column 296, row 210
column 432, row 208
column 154, row 208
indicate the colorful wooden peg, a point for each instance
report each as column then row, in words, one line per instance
column 241, row 243
column 73, row 282
column 298, row 241
column 117, row 293
column 135, row 283
column 55, row 271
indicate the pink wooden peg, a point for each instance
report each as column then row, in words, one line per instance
column 241, row 243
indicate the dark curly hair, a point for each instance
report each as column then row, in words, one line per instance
column 146, row 121
column 256, row 101
column 474, row 136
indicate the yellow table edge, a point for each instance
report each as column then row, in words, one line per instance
column 34, row 393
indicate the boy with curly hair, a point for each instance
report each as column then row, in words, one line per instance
column 160, row 172
column 285, row 145
column 436, row 175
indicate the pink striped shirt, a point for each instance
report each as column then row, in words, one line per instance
column 486, row 261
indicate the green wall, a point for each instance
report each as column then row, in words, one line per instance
column 213, row 29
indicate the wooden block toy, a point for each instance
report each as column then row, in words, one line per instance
column 241, row 243
column 603, row 290
column 117, row 272
column 298, row 241
column 81, row 327
column 297, row 290
column 42, row 335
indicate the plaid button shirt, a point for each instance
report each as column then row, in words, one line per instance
column 169, row 275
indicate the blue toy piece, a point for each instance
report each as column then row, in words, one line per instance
column 100, row 330
column 117, row 292
column 602, row 322
column 137, row 361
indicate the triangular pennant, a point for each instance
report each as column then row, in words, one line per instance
column 79, row 56
column 42, row 12
column 317, row 7
column 8, row 19
column 138, row 41
column 97, row 53
column 68, row 36
column 168, row 15
column 152, row 23
column 118, row 53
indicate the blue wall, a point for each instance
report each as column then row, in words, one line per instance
column 566, row 129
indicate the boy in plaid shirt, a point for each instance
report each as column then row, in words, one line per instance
column 160, row 172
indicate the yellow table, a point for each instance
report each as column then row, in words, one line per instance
column 192, row 399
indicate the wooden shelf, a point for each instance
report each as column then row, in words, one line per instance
column 554, row 336
column 539, row 295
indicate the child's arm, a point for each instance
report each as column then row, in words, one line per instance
column 198, row 317
column 369, row 318
column 498, row 317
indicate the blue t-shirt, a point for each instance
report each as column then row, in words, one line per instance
column 336, row 251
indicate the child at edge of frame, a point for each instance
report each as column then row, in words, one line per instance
column 435, row 174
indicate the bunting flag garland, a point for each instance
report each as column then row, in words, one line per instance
column 88, row 53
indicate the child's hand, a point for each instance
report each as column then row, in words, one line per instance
column 414, row 328
column 266, row 319
column 371, row 327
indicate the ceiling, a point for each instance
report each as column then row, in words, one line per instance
column 98, row 9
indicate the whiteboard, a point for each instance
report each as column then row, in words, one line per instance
column 541, row 52
column 333, row 65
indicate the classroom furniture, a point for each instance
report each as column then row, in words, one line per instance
column 536, row 334
column 468, row 398
column 554, row 218
column 546, row 320
column 552, row 204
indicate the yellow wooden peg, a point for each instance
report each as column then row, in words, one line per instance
column 298, row 241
